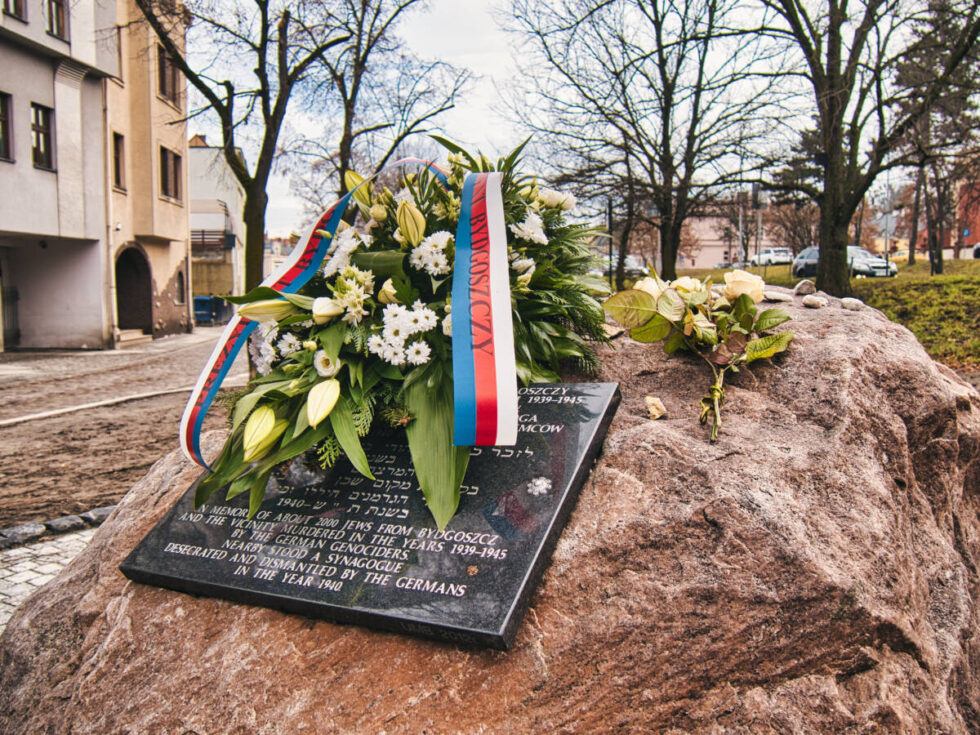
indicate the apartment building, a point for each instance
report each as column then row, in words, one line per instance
column 93, row 217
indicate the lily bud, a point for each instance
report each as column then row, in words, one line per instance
column 387, row 293
column 310, row 345
column 325, row 309
column 261, row 431
column 379, row 213
column 321, row 400
column 411, row 222
column 362, row 194
column 267, row 310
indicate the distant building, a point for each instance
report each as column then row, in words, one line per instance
column 93, row 227
column 217, row 228
column 276, row 250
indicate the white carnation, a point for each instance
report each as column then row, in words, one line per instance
column 531, row 229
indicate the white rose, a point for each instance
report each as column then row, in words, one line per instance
column 653, row 286
column 738, row 282
column 688, row 284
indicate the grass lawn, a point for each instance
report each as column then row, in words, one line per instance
column 942, row 311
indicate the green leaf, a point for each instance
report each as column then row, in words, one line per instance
column 257, row 493
column 385, row 264
column 593, row 284
column 331, row 339
column 631, row 308
column 653, row 331
column 674, row 342
column 770, row 318
column 759, row 349
column 256, row 294
column 342, row 421
column 239, row 486
column 671, row 305
column 439, row 466
column 303, row 302
column 455, row 149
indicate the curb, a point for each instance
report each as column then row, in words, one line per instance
column 26, row 533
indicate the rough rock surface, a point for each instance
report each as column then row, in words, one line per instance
column 814, row 571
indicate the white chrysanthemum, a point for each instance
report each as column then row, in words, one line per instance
column 556, row 199
column 393, row 313
column 438, row 240
column 427, row 319
column 531, row 229
column 305, row 324
column 325, row 367
column 447, row 325
column 269, row 330
column 262, row 352
column 289, row 344
column 375, row 344
column 346, row 243
column 393, row 353
column 418, row 353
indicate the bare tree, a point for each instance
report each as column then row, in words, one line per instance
column 849, row 54
column 383, row 94
column 794, row 225
column 279, row 44
column 644, row 101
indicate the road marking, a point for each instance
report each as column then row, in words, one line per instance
column 230, row 381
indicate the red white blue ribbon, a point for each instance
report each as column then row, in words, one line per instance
column 291, row 276
column 484, row 366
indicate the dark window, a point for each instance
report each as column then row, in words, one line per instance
column 168, row 77
column 57, row 18
column 15, row 8
column 170, row 173
column 6, row 142
column 42, row 136
column 181, row 288
column 118, row 162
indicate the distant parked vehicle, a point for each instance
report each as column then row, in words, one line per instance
column 976, row 251
column 861, row 262
column 773, row 256
column 632, row 267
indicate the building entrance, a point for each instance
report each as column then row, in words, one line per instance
column 134, row 292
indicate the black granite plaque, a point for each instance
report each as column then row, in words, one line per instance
column 333, row 544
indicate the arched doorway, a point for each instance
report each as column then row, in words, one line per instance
column 134, row 294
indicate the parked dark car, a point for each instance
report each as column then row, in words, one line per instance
column 860, row 262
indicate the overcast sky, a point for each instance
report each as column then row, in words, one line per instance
column 463, row 33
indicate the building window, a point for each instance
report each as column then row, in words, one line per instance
column 57, row 19
column 168, row 77
column 6, row 142
column 180, row 289
column 170, row 173
column 15, row 8
column 42, row 136
column 118, row 162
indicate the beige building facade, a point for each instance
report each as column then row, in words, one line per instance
column 93, row 220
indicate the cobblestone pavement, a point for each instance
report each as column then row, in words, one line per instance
column 23, row 569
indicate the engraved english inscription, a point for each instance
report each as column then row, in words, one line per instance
column 337, row 545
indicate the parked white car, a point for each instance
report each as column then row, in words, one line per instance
column 773, row 256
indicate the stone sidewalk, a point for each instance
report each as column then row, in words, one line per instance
column 24, row 569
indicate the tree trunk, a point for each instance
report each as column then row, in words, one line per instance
column 832, row 269
column 916, row 203
column 670, row 245
column 253, row 213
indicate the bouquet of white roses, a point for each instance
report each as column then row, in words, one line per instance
column 721, row 325
column 369, row 337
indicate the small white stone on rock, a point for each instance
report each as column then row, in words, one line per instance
column 852, row 304
column 814, row 302
column 805, row 287
column 777, row 296
column 655, row 407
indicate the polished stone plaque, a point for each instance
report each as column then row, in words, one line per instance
column 333, row 544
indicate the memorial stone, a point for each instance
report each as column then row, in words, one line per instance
column 336, row 545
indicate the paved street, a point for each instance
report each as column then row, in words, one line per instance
column 74, row 461
column 25, row 568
